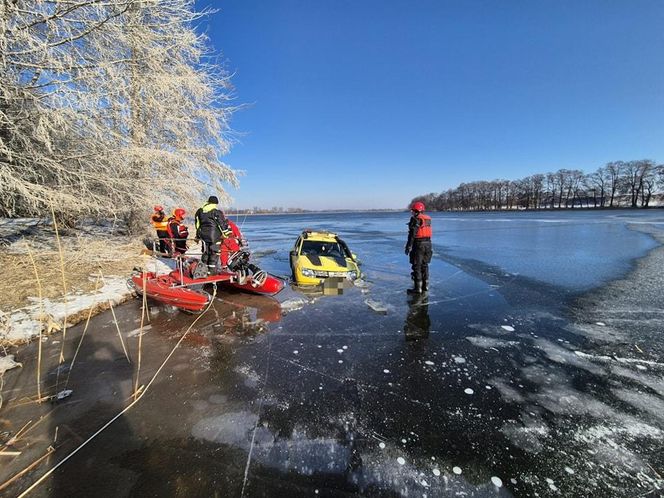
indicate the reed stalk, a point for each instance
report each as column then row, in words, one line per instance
column 41, row 316
column 144, row 311
column 85, row 329
column 115, row 321
column 64, row 296
column 125, row 410
column 7, row 483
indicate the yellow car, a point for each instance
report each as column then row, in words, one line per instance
column 318, row 255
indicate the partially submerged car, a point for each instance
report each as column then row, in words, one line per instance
column 320, row 255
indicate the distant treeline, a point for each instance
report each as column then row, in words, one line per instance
column 618, row 184
column 260, row 210
column 282, row 210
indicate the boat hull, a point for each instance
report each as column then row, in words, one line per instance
column 175, row 288
column 164, row 289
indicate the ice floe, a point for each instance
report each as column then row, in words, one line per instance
column 137, row 332
column 618, row 359
column 377, row 306
column 293, row 304
column 7, row 363
column 490, row 342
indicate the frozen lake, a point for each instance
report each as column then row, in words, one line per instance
column 532, row 368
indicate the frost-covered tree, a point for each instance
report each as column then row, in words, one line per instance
column 107, row 105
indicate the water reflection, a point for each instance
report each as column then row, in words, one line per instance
column 241, row 314
column 332, row 286
column 417, row 323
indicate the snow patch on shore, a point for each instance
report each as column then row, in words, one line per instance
column 25, row 323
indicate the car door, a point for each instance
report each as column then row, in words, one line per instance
column 295, row 253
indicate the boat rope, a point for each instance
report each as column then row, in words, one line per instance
column 126, row 409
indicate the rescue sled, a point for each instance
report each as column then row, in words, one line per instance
column 183, row 287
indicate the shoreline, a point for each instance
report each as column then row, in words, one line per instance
column 20, row 325
column 627, row 310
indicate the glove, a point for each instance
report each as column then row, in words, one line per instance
column 243, row 242
column 407, row 250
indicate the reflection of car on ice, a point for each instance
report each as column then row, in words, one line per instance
column 318, row 256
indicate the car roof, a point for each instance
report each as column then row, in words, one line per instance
column 320, row 235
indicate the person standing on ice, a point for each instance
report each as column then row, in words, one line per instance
column 160, row 224
column 210, row 223
column 418, row 247
column 177, row 233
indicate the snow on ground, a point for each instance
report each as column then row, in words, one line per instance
column 25, row 323
column 22, row 325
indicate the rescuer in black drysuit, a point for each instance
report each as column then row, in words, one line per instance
column 418, row 247
column 210, row 224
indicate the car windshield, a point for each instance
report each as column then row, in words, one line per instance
column 317, row 248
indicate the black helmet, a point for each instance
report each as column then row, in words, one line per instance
column 213, row 199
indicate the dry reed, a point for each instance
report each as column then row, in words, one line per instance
column 82, row 257
column 41, row 317
column 141, row 393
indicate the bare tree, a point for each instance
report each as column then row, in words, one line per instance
column 639, row 180
column 107, row 105
column 649, row 174
column 613, row 173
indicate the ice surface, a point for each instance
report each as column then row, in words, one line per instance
column 573, row 250
column 554, row 390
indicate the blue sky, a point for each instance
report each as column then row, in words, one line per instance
column 365, row 103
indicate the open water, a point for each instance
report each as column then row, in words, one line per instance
column 512, row 377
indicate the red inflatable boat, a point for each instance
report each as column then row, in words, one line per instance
column 180, row 288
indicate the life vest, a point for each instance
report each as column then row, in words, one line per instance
column 424, row 227
column 176, row 230
column 159, row 222
column 178, row 234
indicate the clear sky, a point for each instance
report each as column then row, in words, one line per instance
column 367, row 103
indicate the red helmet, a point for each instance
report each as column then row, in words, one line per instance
column 158, row 208
column 417, row 206
column 179, row 213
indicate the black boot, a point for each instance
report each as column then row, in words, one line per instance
column 417, row 288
